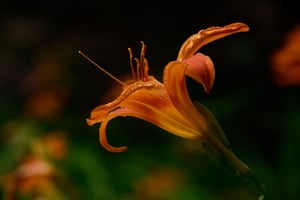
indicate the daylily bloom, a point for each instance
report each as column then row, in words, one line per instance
column 167, row 104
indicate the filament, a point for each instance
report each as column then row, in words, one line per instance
column 138, row 67
column 102, row 69
column 131, row 64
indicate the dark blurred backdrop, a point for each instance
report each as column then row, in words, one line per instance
column 46, row 87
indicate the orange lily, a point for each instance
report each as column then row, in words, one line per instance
column 168, row 105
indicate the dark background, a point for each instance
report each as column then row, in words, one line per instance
column 39, row 43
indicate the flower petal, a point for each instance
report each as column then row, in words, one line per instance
column 103, row 139
column 201, row 69
column 175, row 82
column 151, row 103
column 196, row 41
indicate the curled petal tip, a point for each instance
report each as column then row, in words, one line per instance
column 110, row 148
column 103, row 140
column 89, row 122
column 116, row 149
column 201, row 69
column 237, row 27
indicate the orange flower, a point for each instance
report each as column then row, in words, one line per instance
column 168, row 105
column 285, row 61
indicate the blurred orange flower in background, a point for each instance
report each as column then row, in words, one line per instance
column 44, row 87
column 36, row 175
column 33, row 175
column 285, row 62
column 45, row 104
column 158, row 183
column 53, row 145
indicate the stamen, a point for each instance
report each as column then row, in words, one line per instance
column 142, row 66
column 146, row 69
column 131, row 64
column 142, row 56
column 106, row 72
column 138, row 67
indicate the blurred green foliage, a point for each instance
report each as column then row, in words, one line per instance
column 48, row 90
